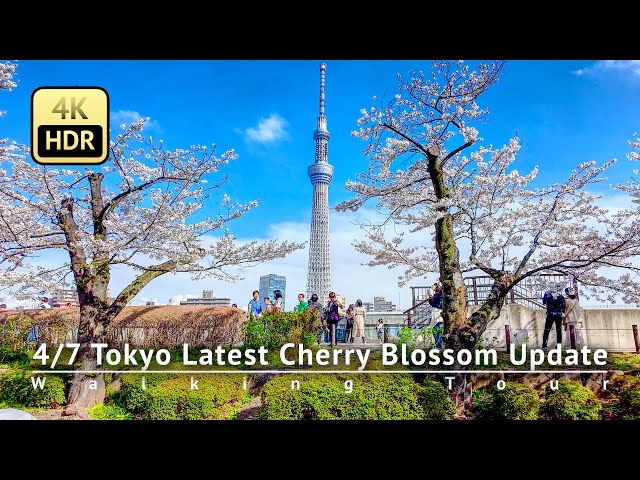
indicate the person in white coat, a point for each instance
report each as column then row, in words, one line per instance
column 358, row 321
column 573, row 316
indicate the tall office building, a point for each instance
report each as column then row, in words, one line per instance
column 381, row 304
column 270, row 283
column 320, row 174
column 62, row 296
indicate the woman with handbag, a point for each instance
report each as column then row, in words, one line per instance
column 573, row 316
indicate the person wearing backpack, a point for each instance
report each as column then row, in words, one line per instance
column 555, row 304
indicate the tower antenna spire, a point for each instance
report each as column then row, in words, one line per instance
column 323, row 68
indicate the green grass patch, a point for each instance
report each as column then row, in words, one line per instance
column 109, row 412
column 624, row 361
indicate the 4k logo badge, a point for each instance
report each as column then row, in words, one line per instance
column 69, row 125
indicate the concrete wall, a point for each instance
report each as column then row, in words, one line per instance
column 608, row 328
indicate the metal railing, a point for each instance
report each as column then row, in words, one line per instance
column 420, row 314
column 343, row 335
column 527, row 292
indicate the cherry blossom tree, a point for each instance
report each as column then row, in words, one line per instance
column 442, row 191
column 142, row 210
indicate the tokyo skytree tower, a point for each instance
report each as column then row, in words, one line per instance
column 320, row 174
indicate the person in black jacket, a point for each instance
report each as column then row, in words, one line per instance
column 555, row 311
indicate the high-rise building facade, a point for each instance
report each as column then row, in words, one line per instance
column 270, row 283
column 62, row 296
column 381, row 304
column 320, row 174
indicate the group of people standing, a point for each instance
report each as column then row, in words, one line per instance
column 330, row 314
column 563, row 312
column 257, row 308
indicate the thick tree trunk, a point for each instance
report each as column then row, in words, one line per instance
column 88, row 389
column 467, row 336
column 454, row 313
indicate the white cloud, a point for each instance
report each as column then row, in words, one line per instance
column 128, row 117
column 603, row 66
column 143, row 301
column 268, row 130
column 176, row 299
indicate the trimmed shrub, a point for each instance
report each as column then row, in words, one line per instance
column 144, row 326
column 109, row 412
column 571, row 401
column 14, row 356
column 516, row 402
column 435, row 401
column 16, row 389
column 275, row 329
column 169, row 396
column 374, row 397
column 628, row 407
column 482, row 400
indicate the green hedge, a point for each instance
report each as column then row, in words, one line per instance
column 482, row 400
column 435, row 401
column 516, row 401
column 169, row 396
column 374, row 397
column 628, row 406
column 16, row 389
column 275, row 329
column 571, row 401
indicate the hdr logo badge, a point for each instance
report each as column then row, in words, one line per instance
column 69, row 125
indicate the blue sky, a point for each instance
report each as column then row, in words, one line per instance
column 564, row 112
